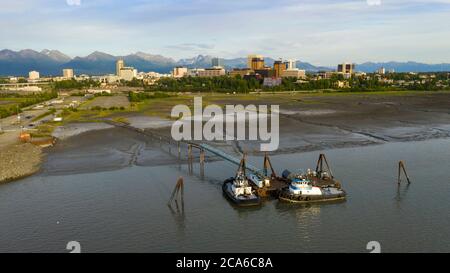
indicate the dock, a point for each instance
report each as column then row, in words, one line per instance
column 276, row 183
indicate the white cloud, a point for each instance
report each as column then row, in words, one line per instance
column 374, row 2
column 73, row 2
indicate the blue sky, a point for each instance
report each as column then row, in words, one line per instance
column 322, row 32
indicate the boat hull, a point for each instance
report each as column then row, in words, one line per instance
column 240, row 201
column 287, row 196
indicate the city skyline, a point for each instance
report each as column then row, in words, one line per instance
column 322, row 32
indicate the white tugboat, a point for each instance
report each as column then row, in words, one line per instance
column 238, row 189
column 301, row 190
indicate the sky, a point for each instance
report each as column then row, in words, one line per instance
column 322, row 32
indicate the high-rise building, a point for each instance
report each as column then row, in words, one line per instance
column 33, row 75
column 250, row 61
column 217, row 62
column 279, row 67
column 381, row 71
column 179, row 72
column 257, row 63
column 120, row 64
column 291, row 64
column 68, row 73
column 127, row 73
column 346, row 68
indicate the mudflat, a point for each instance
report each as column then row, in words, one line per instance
column 308, row 122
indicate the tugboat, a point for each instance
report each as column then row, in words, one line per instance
column 301, row 190
column 314, row 186
column 238, row 189
column 322, row 177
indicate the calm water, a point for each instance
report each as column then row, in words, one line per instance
column 126, row 211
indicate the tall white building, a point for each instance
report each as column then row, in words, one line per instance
column 119, row 65
column 68, row 73
column 291, row 64
column 381, row 71
column 33, row 75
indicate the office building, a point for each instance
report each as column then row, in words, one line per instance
column 265, row 72
column 33, row 75
column 294, row 73
column 255, row 60
column 217, row 62
column 346, row 68
column 290, row 64
column 240, row 72
column 119, row 65
column 257, row 64
column 179, row 72
column 212, row 72
column 279, row 67
column 325, row 75
column 381, row 71
column 68, row 73
column 125, row 73
column 128, row 73
column 194, row 72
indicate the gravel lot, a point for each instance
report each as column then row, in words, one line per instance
column 107, row 102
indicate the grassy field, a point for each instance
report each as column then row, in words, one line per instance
column 161, row 107
column 9, row 106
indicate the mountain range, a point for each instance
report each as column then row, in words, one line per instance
column 51, row 62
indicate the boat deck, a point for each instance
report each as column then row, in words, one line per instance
column 276, row 185
column 324, row 182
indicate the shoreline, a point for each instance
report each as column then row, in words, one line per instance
column 36, row 162
column 307, row 124
column 20, row 161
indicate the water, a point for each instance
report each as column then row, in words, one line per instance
column 126, row 211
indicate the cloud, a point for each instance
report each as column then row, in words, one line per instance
column 319, row 31
column 374, row 2
column 73, row 2
column 191, row 46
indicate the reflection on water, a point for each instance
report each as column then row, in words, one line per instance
column 126, row 210
column 402, row 190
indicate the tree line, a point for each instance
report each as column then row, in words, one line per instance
column 25, row 101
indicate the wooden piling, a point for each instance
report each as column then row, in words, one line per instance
column 190, row 153
column 401, row 167
column 202, row 163
column 202, row 156
column 179, row 189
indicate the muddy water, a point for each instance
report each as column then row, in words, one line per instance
column 125, row 210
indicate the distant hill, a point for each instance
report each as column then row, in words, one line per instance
column 51, row 62
column 403, row 67
column 21, row 62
